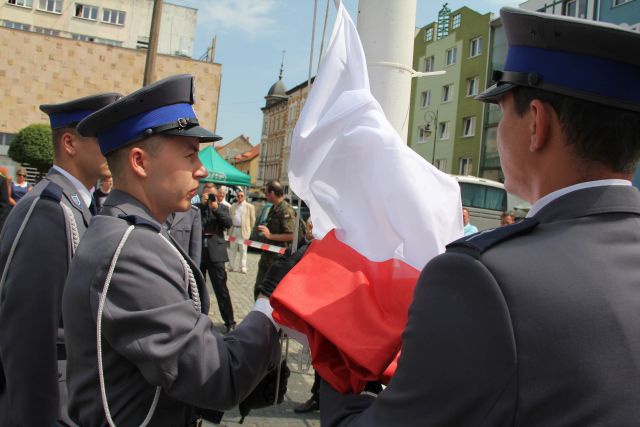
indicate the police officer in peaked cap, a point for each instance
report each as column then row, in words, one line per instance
column 536, row 323
column 36, row 247
column 135, row 291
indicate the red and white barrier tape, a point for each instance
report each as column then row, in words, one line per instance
column 257, row 245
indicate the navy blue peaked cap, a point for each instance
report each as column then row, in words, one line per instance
column 70, row 113
column 164, row 107
column 588, row 60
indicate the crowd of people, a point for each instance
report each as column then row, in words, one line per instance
column 104, row 316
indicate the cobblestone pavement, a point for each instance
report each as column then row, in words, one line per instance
column 299, row 386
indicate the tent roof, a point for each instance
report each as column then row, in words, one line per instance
column 220, row 171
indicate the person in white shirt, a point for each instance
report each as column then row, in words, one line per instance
column 243, row 217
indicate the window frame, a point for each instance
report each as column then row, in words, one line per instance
column 475, row 86
column 428, row 63
column 447, row 90
column 425, row 95
column 113, row 12
column 428, row 34
column 456, row 21
column 478, row 42
column 88, row 7
column 468, row 126
column 451, row 56
column 16, row 3
column 444, row 130
column 423, row 134
column 54, row 3
column 465, row 164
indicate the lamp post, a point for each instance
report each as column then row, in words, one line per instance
column 432, row 117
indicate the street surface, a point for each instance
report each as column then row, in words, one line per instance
column 299, row 386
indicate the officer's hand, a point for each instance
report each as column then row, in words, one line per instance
column 265, row 392
column 265, row 231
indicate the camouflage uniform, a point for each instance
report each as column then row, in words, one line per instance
column 281, row 220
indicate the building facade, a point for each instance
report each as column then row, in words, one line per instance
column 445, row 123
column 122, row 23
column 236, row 146
column 280, row 114
column 38, row 69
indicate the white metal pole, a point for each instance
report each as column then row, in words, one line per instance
column 387, row 30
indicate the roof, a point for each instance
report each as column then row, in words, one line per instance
column 248, row 155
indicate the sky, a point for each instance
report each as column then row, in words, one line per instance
column 251, row 35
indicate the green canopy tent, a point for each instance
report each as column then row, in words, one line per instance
column 220, row 171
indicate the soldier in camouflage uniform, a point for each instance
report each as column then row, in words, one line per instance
column 277, row 231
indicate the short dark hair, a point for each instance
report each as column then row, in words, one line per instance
column 275, row 187
column 56, row 137
column 597, row 133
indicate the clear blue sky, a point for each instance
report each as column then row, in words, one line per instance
column 251, row 35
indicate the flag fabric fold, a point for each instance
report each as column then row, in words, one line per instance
column 380, row 212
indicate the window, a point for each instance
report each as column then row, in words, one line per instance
column 425, row 98
column 6, row 138
column 443, row 130
column 86, row 11
column 53, row 6
column 441, row 164
column 472, row 86
column 447, row 93
column 468, row 126
column 456, row 21
column 576, row 8
column 475, row 47
column 619, row 2
column 428, row 34
column 46, row 31
column 424, row 132
column 23, row 3
column 450, row 55
column 16, row 25
column 482, row 196
column 111, row 16
column 427, row 66
column 466, row 167
column 83, row 37
column 143, row 42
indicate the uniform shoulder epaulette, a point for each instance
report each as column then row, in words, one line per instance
column 483, row 240
column 138, row 220
column 52, row 192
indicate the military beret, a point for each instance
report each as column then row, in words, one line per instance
column 70, row 113
column 588, row 60
column 164, row 107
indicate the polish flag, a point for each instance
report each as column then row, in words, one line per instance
column 380, row 212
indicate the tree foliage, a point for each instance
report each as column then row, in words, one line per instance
column 33, row 145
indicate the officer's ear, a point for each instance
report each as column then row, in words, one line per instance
column 65, row 142
column 138, row 160
column 541, row 120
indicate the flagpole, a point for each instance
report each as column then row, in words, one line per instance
column 387, row 30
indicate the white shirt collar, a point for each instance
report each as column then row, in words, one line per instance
column 544, row 201
column 80, row 188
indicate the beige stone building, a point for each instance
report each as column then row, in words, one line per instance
column 247, row 162
column 123, row 23
column 37, row 68
column 280, row 115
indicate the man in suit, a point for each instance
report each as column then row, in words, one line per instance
column 215, row 221
column 536, row 323
column 134, row 300
column 32, row 351
column 186, row 230
column 243, row 217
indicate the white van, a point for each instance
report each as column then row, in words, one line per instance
column 486, row 200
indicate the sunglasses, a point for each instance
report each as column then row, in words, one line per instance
column 21, row 174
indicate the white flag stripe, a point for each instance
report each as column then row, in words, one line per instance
column 355, row 173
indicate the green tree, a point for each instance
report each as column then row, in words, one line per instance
column 33, row 145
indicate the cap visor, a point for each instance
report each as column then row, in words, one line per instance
column 199, row 132
column 495, row 92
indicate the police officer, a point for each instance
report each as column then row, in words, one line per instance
column 536, row 323
column 135, row 301
column 31, row 334
column 278, row 229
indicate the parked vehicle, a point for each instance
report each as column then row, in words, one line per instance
column 486, row 200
